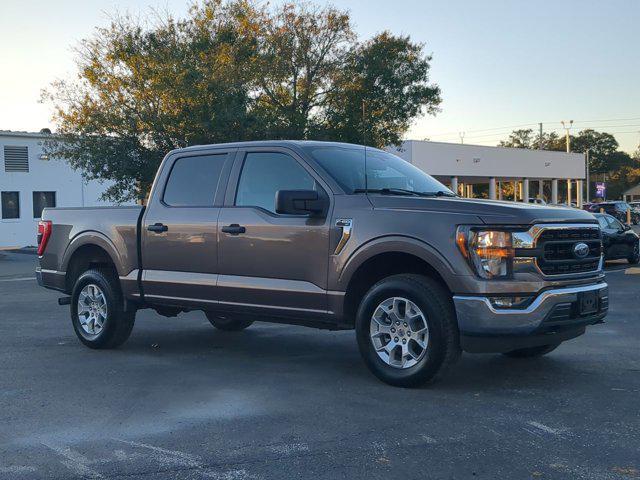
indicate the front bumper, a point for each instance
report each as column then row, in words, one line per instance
column 553, row 316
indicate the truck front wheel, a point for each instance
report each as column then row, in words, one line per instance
column 97, row 311
column 407, row 330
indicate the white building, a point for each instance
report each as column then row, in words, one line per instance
column 463, row 166
column 29, row 181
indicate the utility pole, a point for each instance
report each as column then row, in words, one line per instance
column 540, row 138
column 568, row 138
column 461, row 137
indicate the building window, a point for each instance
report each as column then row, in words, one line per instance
column 10, row 205
column 43, row 200
column 16, row 159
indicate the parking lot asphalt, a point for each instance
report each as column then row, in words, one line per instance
column 182, row 400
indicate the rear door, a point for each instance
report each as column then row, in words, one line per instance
column 179, row 231
column 272, row 263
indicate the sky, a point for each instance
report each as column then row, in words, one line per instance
column 500, row 64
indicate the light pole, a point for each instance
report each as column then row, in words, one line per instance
column 588, row 168
column 461, row 137
column 568, row 138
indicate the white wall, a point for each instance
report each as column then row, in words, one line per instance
column 447, row 159
column 52, row 176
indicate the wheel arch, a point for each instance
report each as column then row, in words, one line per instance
column 390, row 256
column 89, row 250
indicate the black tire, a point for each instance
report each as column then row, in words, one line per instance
column 118, row 324
column 634, row 258
column 443, row 345
column 532, row 351
column 228, row 324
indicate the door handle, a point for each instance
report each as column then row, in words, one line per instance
column 234, row 229
column 157, row 228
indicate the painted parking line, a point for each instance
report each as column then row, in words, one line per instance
column 20, row 279
column 632, row 271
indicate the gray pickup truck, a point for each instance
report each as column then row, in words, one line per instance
column 333, row 236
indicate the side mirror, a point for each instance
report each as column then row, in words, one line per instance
column 301, row 202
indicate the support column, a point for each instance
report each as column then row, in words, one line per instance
column 579, row 193
column 554, row 190
column 492, row 188
column 454, row 185
column 470, row 190
column 569, row 181
column 499, row 190
column 525, row 190
column 541, row 189
column 515, row 191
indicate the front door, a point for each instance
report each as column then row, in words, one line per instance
column 271, row 263
column 179, row 230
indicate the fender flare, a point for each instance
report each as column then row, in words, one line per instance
column 92, row 237
column 399, row 244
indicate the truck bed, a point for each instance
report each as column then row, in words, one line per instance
column 114, row 229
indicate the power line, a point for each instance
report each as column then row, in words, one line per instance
column 509, row 127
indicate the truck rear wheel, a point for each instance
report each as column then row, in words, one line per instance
column 97, row 310
column 228, row 324
column 407, row 330
column 532, row 351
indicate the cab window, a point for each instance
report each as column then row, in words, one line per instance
column 264, row 173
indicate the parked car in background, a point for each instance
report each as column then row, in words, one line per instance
column 537, row 201
column 618, row 240
column 617, row 209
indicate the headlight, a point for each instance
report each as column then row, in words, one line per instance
column 489, row 252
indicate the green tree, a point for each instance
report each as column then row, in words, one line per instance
column 525, row 138
column 603, row 150
column 383, row 87
column 230, row 71
column 142, row 92
column 302, row 50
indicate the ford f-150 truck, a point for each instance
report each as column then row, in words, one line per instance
column 334, row 236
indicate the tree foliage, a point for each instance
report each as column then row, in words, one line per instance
column 231, row 71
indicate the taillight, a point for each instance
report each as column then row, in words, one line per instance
column 44, row 232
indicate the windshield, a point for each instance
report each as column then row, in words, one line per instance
column 386, row 173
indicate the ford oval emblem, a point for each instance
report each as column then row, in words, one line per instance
column 580, row 250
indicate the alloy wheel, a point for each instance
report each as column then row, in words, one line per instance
column 399, row 332
column 92, row 309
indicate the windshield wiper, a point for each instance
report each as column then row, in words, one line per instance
column 404, row 191
column 387, row 191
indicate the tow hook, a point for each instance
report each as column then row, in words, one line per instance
column 64, row 301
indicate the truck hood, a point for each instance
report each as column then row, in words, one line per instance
column 488, row 211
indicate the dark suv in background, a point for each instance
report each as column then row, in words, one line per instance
column 615, row 209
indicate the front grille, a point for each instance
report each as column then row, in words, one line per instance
column 556, row 250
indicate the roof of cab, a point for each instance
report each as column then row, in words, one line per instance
column 268, row 143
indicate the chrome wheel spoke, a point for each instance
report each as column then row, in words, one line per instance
column 92, row 310
column 399, row 332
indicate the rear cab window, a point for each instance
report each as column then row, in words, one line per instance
column 193, row 181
